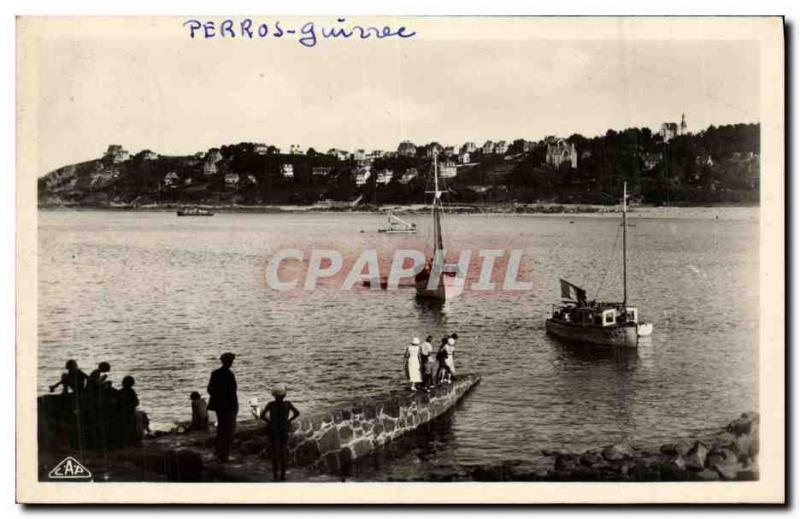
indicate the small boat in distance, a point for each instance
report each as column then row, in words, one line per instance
column 599, row 323
column 398, row 226
column 194, row 211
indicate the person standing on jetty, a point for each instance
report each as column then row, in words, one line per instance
column 276, row 414
column 441, row 358
column 450, row 362
column 133, row 430
column 425, row 350
column 413, row 371
column 223, row 400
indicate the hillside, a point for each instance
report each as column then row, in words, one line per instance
column 717, row 165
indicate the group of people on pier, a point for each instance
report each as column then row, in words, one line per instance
column 101, row 400
column 426, row 370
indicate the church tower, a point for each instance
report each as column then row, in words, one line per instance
column 683, row 125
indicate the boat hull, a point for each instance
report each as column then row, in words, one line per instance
column 448, row 288
column 625, row 336
column 186, row 213
column 397, row 231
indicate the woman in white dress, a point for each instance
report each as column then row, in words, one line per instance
column 412, row 364
column 450, row 362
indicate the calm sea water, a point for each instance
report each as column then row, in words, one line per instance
column 160, row 297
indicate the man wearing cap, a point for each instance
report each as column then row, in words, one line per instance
column 223, row 401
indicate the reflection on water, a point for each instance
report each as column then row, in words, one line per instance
column 161, row 297
column 431, row 311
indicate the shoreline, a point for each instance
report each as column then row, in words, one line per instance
column 711, row 212
column 727, row 453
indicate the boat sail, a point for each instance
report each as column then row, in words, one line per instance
column 398, row 226
column 599, row 323
column 438, row 280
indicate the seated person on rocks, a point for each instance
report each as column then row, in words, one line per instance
column 98, row 378
column 72, row 380
column 276, row 414
column 199, row 413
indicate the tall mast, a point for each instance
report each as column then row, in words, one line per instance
column 625, row 245
column 437, row 225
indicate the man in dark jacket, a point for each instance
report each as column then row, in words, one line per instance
column 223, row 401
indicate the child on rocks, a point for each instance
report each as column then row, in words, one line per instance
column 199, row 413
column 276, row 414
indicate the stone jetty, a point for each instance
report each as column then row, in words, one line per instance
column 322, row 443
column 323, row 446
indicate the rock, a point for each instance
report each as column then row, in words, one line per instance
column 708, row 475
column 254, row 445
column 696, row 458
column 538, row 468
column 746, row 475
column 345, row 434
column 591, row 458
column 566, row 462
column 670, row 449
column 306, row 453
column 754, row 443
column 725, row 462
column 332, row 462
column 490, row 473
column 678, row 462
column 329, row 441
column 584, row 473
column 392, row 409
column 362, row 447
column 744, row 424
column 645, row 472
column 684, row 446
column 723, row 439
column 675, row 470
column 681, row 448
column 727, row 471
column 620, row 451
column 183, row 465
column 624, row 468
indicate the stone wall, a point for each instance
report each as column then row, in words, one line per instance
column 331, row 440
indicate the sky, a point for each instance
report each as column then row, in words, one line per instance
column 147, row 85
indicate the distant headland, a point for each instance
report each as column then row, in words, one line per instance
column 672, row 167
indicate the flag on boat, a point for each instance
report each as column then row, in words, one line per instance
column 572, row 292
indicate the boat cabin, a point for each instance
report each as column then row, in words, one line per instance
column 597, row 314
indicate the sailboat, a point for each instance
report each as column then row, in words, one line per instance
column 438, row 280
column 599, row 323
column 398, row 226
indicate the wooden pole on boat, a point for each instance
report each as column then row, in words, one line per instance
column 438, row 243
column 625, row 246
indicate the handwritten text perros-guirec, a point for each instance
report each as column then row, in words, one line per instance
column 308, row 34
